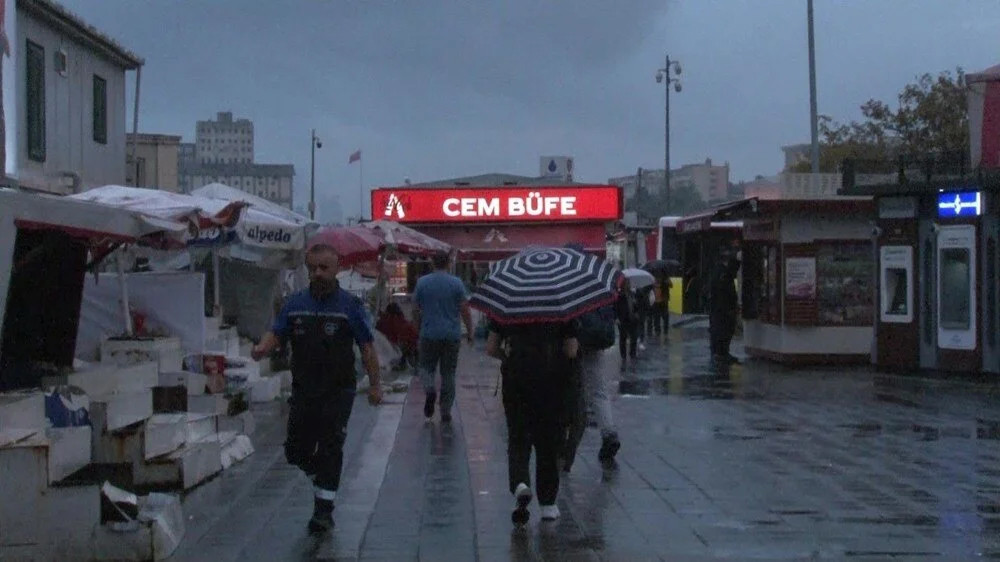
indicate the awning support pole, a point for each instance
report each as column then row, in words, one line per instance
column 217, row 305
column 123, row 283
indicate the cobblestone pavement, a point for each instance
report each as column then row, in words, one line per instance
column 754, row 462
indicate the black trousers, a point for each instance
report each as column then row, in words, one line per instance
column 659, row 320
column 575, row 415
column 534, row 402
column 317, row 429
column 721, row 328
column 628, row 338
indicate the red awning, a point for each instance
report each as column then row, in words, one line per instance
column 492, row 242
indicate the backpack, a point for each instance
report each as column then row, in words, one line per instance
column 597, row 328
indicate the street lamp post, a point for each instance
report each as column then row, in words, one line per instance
column 314, row 143
column 663, row 76
column 813, row 119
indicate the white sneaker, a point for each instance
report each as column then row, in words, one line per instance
column 522, row 497
column 550, row 512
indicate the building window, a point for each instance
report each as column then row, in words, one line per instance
column 100, row 110
column 140, row 172
column 35, row 74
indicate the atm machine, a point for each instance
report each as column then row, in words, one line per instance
column 956, row 277
column 897, row 323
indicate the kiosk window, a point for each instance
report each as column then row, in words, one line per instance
column 896, row 287
column 954, row 301
column 845, row 292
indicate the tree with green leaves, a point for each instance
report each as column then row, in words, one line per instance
column 930, row 117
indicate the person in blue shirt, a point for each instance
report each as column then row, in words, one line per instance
column 322, row 324
column 440, row 300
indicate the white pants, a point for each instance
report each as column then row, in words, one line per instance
column 595, row 389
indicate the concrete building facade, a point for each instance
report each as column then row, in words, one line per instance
column 224, row 140
column 223, row 152
column 710, row 181
column 155, row 163
column 68, row 131
column 270, row 181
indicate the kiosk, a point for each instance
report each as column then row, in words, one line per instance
column 807, row 278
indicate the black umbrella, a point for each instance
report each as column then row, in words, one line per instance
column 546, row 285
column 662, row 267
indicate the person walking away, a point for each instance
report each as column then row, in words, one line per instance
column 322, row 324
column 440, row 300
column 398, row 330
column 723, row 304
column 626, row 310
column 644, row 311
column 660, row 314
column 596, row 334
column 537, row 365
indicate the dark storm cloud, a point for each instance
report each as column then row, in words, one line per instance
column 438, row 88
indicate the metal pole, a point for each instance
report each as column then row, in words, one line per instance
column 135, row 125
column 813, row 118
column 123, row 287
column 666, row 135
column 312, row 176
column 216, row 278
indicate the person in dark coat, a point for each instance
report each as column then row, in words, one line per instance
column 626, row 308
column 723, row 305
column 538, row 366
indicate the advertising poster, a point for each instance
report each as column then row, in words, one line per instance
column 800, row 278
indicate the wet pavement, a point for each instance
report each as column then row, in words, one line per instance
column 753, row 462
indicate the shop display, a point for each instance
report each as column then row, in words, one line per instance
column 844, row 277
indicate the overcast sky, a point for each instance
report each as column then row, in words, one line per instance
column 432, row 89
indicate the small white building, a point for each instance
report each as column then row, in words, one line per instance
column 64, row 100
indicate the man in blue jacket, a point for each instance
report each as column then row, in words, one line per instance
column 322, row 324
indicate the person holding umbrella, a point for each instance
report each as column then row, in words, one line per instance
column 533, row 301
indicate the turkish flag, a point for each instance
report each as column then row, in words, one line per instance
column 354, row 157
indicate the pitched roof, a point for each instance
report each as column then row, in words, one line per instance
column 69, row 23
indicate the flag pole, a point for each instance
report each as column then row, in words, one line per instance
column 361, row 182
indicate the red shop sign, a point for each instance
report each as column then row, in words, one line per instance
column 498, row 204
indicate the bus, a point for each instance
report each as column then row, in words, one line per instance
column 696, row 252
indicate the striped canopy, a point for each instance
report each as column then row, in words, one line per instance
column 546, row 285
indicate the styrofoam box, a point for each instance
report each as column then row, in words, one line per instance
column 115, row 411
column 189, row 466
column 266, row 389
column 22, row 410
column 108, row 378
column 193, row 382
column 166, row 352
column 32, row 514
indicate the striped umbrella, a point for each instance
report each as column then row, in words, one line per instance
column 546, row 285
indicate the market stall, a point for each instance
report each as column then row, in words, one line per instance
column 808, row 279
column 48, row 244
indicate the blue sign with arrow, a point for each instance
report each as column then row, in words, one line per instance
column 957, row 204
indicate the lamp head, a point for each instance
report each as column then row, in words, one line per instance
column 659, row 76
column 677, row 68
column 319, row 143
column 677, row 87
